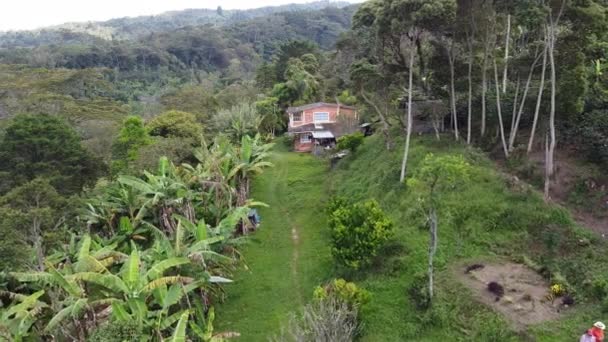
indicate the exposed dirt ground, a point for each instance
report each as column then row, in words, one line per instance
column 524, row 301
column 567, row 173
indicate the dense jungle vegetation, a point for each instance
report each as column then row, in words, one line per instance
column 135, row 150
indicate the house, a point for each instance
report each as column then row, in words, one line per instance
column 318, row 125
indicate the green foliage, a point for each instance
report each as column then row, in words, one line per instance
column 132, row 136
column 358, row 232
column 35, row 212
column 480, row 220
column 593, row 136
column 116, row 331
column 419, row 292
column 347, row 98
column 175, row 124
column 344, row 291
column 270, row 113
column 437, row 174
column 301, row 84
column 177, row 150
column 238, row 121
column 192, row 99
column 350, row 142
column 288, row 52
column 14, row 251
column 45, row 146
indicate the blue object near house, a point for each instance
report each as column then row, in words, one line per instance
column 254, row 217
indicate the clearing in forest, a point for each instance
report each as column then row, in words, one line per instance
column 526, row 298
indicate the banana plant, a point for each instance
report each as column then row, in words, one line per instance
column 17, row 320
column 249, row 160
column 68, row 298
column 168, row 194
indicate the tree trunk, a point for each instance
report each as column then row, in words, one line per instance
column 539, row 97
column 504, row 76
column 470, row 99
column 383, row 120
column 484, row 85
column 522, row 104
column 514, row 112
column 409, row 118
column 38, row 248
column 436, row 122
column 453, row 92
column 242, row 192
column 498, row 109
column 550, row 168
column 432, row 247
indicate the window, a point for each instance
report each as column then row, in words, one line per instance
column 297, row 116
column 321, row 117
column 305, row 138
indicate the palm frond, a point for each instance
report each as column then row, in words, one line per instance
column 179, row 334
column 108, row 281
column 165, row 281
column 160, row 267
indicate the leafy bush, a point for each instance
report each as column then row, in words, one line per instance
column 175, row 124
column 350, row 142
column 344, row 291
column 599, row 288
column 116, row 331
column 357, row 232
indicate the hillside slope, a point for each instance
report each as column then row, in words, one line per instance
column 490, row 219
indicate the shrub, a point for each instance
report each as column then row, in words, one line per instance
column 324, row 320
column 116, row 331
column 175, row 124
column 419, row 292
column 350, row 142
column 358, row 231
column 599, row 288
column 335, row 203
column 288, row 141
column 344, row 291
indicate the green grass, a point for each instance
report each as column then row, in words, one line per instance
column 485, row 220
column 282, row 271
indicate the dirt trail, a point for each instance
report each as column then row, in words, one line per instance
column 287, row 256
column 281, row 202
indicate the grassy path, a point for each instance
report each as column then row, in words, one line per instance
column 287, row 257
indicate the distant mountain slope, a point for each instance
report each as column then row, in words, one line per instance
column 179, row 42
column 139, row 27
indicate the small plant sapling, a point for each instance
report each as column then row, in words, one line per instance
column 435, row 177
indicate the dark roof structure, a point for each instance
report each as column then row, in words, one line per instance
column 315, row 105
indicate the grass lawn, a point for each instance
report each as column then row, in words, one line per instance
column 288, row 256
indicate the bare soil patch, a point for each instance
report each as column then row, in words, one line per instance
column 526, row 299
column 567, row 172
